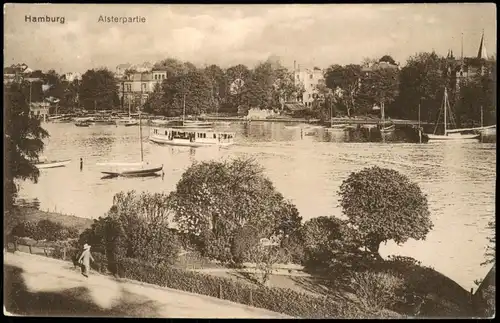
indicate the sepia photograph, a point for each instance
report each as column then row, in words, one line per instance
column 326, row 161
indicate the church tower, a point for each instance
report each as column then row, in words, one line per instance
column 482, row 54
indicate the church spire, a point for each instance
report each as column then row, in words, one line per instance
column 482, row 49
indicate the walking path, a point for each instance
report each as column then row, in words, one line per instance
column 36, row 285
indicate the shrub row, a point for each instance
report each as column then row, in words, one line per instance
column 280, row 300
column 44, row 230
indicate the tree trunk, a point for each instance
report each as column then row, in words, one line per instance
column 374, row 245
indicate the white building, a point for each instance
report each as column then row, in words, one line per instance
column 71, row 76
column 309, row 79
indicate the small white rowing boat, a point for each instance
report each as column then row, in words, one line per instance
column 453, row 137
column 52, row 163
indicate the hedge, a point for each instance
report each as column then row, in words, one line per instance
column 280, row 300
column 44, row 230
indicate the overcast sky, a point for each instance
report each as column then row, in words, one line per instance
column 313, row 35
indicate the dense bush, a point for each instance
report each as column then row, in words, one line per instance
column 222, row 197
column 245, row 239
column 332, row 246
column 377, row 290
column 44, row 230
column 136, row 226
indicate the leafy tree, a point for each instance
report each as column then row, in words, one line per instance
column 322, row 104
column 48, row 230
column 25, row 229
column 380, row 86
column 194, row 88
column 422, row 83
column 345, row 84
column 23, row 140
column 285, row 88
column 156, row 101
column 387, row 59
column 175, row 67
column 98, row 90
column 218, row 85
column 214, row 199
column 479, row 91
column 235, row 89
column 382, row 205
column 69, row 101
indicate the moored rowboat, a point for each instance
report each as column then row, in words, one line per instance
column 137, row 172
column 453, row 137
column 52, row 164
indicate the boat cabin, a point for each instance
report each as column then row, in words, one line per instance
column 190, row 136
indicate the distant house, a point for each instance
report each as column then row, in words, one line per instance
column 309, row 79
column 135, row 88
column 71, row 76
column 15, row 73
column 159, row 74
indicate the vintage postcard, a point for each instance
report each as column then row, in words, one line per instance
column 250, row 161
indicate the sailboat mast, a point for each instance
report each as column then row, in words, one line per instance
column 140, row 135
column 462, row 49
column 383, row 113
column 445, row 108
column 419, row 115
column 184, row 109
column 482, row 117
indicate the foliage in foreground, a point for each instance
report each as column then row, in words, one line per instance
column 44, row 230
column 383, row 205
column 136, row 227
column 23, row 142
column 213, row 200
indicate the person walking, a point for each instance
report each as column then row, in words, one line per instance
column 85, row 259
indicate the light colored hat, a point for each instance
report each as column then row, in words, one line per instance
column 86, row 246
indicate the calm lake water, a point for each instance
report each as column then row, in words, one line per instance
column 307, row 168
